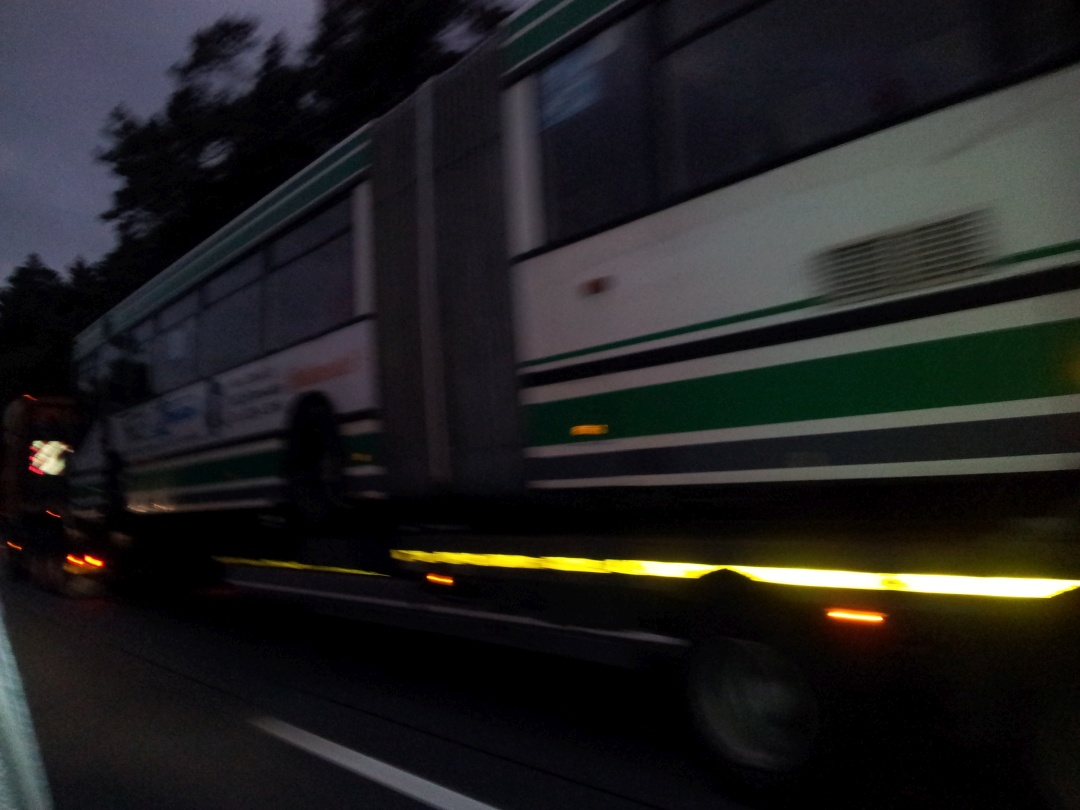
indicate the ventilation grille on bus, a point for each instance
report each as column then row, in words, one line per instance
column 939, row 252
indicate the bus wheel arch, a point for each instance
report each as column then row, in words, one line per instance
column 314, row 465
column 760, row 712
column 755, row 710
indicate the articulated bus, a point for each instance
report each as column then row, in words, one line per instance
column 769, row 298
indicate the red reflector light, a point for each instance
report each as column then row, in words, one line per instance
column 50, row 512
column 71, row 558
column 440, row 579
column 12, row 545
column 846, row 615
column 94, row 561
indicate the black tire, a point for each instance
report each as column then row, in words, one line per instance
column 13, row 566
column 314, row 468
column 47, row 573
column 756, row 711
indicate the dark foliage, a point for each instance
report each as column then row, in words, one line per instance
column 245, row 114
column 36, row 317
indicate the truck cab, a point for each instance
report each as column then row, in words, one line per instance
column 37, row 441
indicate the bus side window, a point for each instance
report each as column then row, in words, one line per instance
column 87, row 373
column 1029, row 33
column 593, row 106
column 128, row 382
column 174, row 356
column 310, row 286
column 788, row 77
column 230, row 325
column 174, row 345
column 141, row 351
column 127, row 368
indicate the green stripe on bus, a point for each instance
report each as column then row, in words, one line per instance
column 219, row 471
column 1038, row 253
column 682, row 330
column 551, row 29
column 529, row 15
column 1010, row 364
column 239, row 468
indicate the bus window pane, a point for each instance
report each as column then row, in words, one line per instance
column 310, row 234
column 234, row 278
column 311, row 295
column 593, row 112
column 142, row 343
column 127, row 365
column 174, row 356
column 88, row 372
column 186, row 307
column 1030, row 33
column 229, row 331
column 732, row 105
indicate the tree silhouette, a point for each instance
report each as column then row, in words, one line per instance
column 36, row 330
column 244, row 115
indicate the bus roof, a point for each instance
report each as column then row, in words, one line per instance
column 532, row 33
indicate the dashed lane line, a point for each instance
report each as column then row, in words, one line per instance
column 396, row 779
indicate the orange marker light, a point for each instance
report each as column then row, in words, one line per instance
column 50, row 512
column 864, row 616
column 71, row 558
column 588, row 430
column 94, row 561
column 27, row 396
column 440, row 579
column 12, row 545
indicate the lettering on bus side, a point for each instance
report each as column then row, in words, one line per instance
column 256, row 393
column 312, row 375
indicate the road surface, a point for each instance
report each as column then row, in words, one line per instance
column 232, row 700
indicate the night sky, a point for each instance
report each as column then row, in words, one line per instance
column 63, row 65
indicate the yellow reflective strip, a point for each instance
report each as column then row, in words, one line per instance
column 816, row 578
column 573, row 564
column 295, row 566
column 949, row 584
column 649, row 568
column 1017, row 587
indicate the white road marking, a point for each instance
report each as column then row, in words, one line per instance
column 377, row 771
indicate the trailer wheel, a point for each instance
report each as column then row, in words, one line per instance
column 13, row 567
column 314, row 466
column 754, row 708
column 47, row 573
